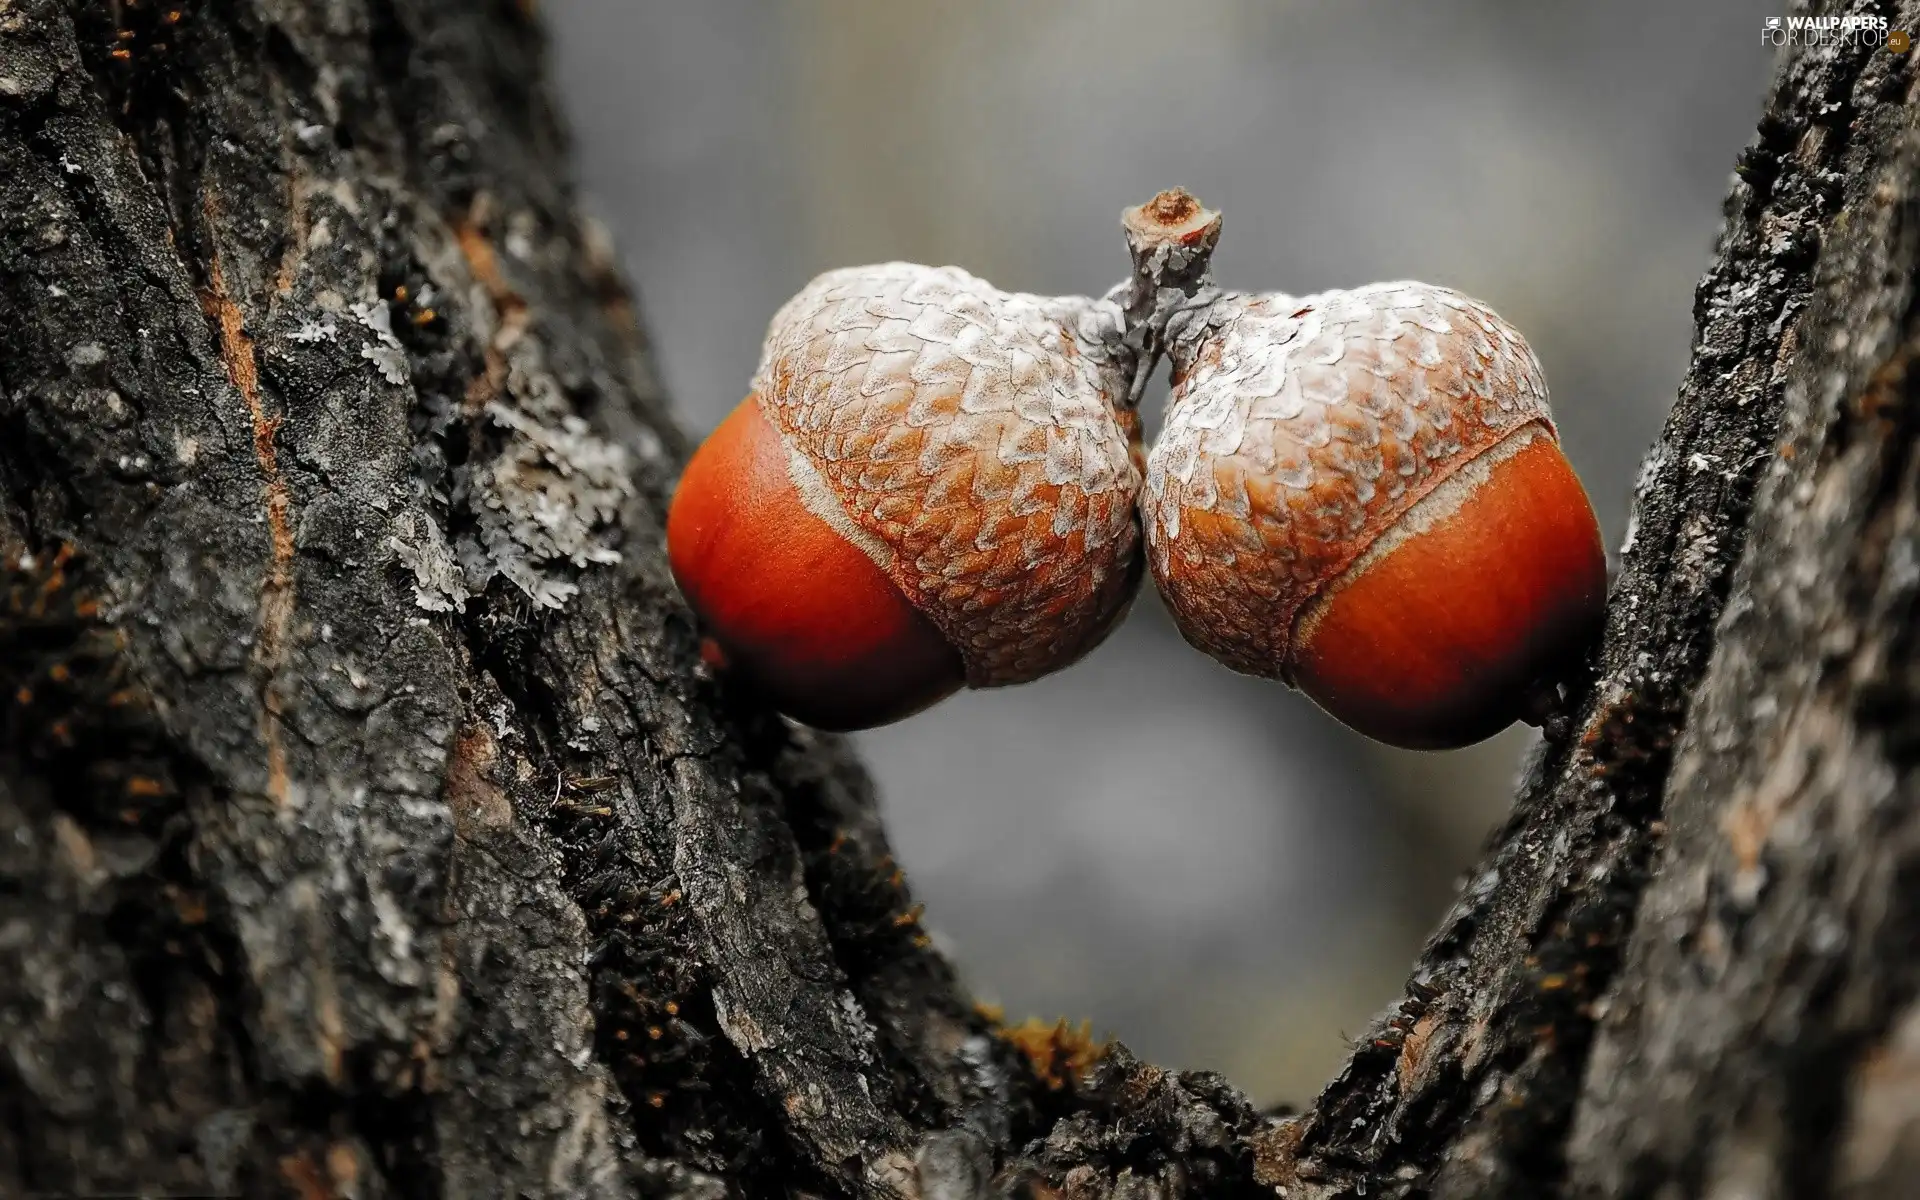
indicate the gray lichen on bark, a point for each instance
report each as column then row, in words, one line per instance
column 369, row 826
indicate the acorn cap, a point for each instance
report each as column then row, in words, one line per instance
column 965, row 439
column 1300, row 430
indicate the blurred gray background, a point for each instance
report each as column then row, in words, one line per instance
column 1201, row 864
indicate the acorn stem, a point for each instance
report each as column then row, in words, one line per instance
column 1171, row 238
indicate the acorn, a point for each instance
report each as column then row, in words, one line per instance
column 931, row 485
column 1361, row 493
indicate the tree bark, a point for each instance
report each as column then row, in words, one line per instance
column 370, row 827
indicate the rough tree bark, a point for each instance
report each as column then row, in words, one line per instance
column 368, row 826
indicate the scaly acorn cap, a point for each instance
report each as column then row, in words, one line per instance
column 1300, row 430
column 975, row 444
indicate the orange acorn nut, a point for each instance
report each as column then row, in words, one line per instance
column 1361, row 493
column 846, row 651
column 928, row 488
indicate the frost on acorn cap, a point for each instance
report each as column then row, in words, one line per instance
column 1301, row 429
column 973, row 444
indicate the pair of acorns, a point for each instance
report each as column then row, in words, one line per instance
column 936, row 484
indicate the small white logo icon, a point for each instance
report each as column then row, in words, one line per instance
column 1773, row 23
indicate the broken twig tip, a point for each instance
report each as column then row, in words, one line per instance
column 1173, row 216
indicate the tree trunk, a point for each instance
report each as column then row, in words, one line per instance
column 369, row 826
